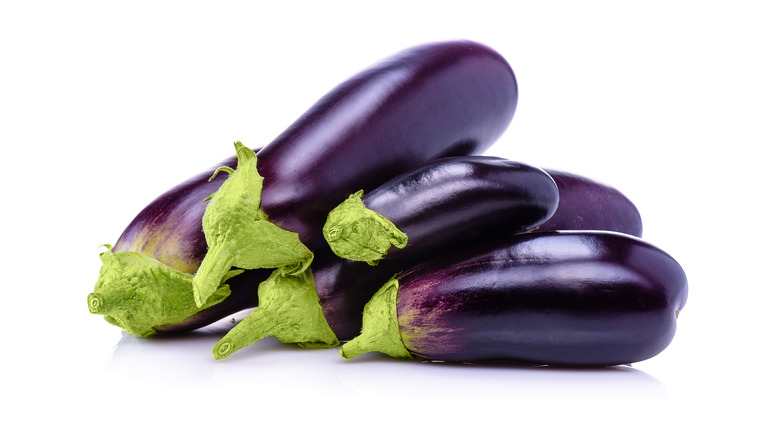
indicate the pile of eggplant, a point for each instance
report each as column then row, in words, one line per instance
column 377, row 223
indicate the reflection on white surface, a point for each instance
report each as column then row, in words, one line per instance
column 308, row 388
column 273, row 366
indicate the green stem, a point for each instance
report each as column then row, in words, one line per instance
column 256, row 326
column 216, row 263
column 265, row 245
column 289, row 309
column 356, row 232
column 138, row 293
column 239, row 234
column 380, row 330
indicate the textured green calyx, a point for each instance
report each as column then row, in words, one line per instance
column 289, row 309
column 357, row 233
column 138, row 293
column 380, row 330
column 239, row 234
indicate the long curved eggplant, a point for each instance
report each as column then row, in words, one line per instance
column 442, row 206
column 431, row 101
column 435, row 100
column 586, row 204
column 574, row 298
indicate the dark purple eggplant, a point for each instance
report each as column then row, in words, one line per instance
column 444, row 205
column 586, row 204
column 431, row 101
column 441, row 205
column 577, row 298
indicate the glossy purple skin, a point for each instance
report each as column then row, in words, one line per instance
column 344, row 288
column 463, row 199
column 444, row 205
column 431, row 101
column 586, row 204
column 574, row 298
column 436, row 100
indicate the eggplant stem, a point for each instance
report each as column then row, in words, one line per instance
column 289, row 309
column 226, row 169
column 95, row 303
column 356, row 232
column 239, row 234
column 380, row 330
column 215, row 265
column 138, row 293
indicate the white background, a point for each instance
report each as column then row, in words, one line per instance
column 105, row 105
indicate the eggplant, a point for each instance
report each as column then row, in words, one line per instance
column 447, row 203
column 565, row 298
column 586, row 204
column 435, row 100
column 442, row 206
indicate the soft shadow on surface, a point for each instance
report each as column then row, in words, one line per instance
column 185, row 360
column 376, row 373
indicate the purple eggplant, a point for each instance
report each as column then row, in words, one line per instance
column 569, row 298
column 586, row 204
column 431, row 101
column 444, row 205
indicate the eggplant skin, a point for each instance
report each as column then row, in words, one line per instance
column 463, row 199
column 445, row 205
column 435, row 100
column 569, row 298
column 586, row 204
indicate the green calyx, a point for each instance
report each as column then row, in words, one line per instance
column 357, row 233
column 380, row 330
column 138, row 293
column 239, row 234
column 289, row 309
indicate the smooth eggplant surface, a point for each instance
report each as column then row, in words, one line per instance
column 459, row 199
column 345, row 286
column 558, row 298
column 431, row 101
column 586, row 204
column 442, row 206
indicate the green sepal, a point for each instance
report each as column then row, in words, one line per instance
column 138, row 293
column 380, row 331
column 356, row 232
column 238, row 233
column 288, row 309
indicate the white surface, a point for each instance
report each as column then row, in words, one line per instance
column 103, row 106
